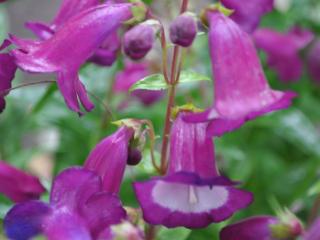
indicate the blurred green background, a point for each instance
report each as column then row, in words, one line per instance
column 277, row 156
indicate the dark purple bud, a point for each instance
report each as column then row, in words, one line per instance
column 139, row 40
column 183, row 30
column 134, row 157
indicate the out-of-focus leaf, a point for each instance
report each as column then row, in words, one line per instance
column 3, row 22
column 315, row 189
column 176, row 233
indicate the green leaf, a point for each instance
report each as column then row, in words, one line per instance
column 191, row 76
column 157, row 81
column 176, row 233
column 152, row 82
column 315, row 189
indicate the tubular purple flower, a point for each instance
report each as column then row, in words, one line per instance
column 64, row 53
column 109, row 158
column 18, row 185
column 313, row 62
column 192, row 194
column 132, row 73
column 138, row 41
column 83, row 202
column 262, row 228
column 183, row 29
column 283, row 50
column 248, row 14
column 7, row 71
column 241, row 91
column 255, row 228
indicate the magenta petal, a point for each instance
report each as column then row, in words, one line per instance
column 248, row 14
column 283, row 50
column 186, row 204
column 109, row 158
column 255, row 228
column 25, row 220
column 314, row 232
column 41, row 30
column 241, row 91
column 73, row 187
column 7, row 71
column 99, row 218
column 18, row 185
column 70, row 47
column 190, row 149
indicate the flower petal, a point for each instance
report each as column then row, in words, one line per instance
column 25, row 220
column 7, row 72
column 18, row 185
column 255, row 228
column 189, row 205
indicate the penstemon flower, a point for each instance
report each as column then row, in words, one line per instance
column 7, row 72
column 241, row 91
column 83, row 201
column 18, row 185
column 283, row 50
column 192, row 194
column 248, row 14
column 64, row 52
column 263, row 228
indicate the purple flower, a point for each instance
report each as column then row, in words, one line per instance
column 132, row 73
column 283, row 50
column 83, row 202
column 7, row 72
column 17, row 185
column 248, row 14
column 313, row 232
column 262, row 228
column 313, row 62
column 138, row 41
column 183, row 30
column 241, row 91
column 69, row 48
column 192, row 194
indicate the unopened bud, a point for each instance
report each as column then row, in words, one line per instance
column 139, row 40
column 183, row 30
column 134, row 156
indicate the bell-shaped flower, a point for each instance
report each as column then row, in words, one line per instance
column 263, row 228
column 132, row 73
column 18, row 185
column 248, row 14
column 241, row 91
column 192, row 194
column 7, row 71
column 283, row 50
column 83, row 201
column 313, row 61
column 69, row 48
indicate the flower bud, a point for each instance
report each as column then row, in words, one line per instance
column 134, row 156
column 183, row 30
column 139, row 40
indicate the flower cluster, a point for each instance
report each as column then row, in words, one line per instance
column 191, row 192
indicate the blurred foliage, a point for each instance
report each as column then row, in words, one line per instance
column 276, row 156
